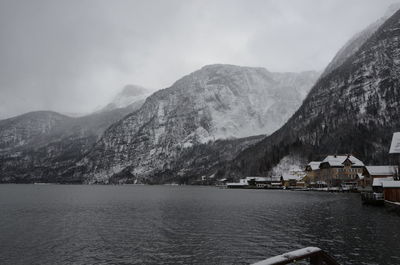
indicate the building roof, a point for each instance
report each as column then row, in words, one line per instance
column 337, row 161
column 237, row 184
column 380, row 181
column 259, row 178
column 314, row 165
column 381, row 170
column 291, row 176
column 391, row 184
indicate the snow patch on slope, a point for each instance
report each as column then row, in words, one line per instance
column 288, row 166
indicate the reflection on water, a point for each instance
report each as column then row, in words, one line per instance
column 59, row 224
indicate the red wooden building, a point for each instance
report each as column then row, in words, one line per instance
column 391, row 191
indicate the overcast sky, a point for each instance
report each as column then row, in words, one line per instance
column 73, row 56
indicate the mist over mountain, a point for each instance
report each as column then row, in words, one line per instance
column 132, row 96
column 354, row 44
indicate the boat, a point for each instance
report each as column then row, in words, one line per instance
column 314, row 255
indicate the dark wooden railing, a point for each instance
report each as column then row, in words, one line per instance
column 314, row 255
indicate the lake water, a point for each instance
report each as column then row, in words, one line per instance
column 82, row 224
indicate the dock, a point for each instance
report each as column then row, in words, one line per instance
column 372, row 198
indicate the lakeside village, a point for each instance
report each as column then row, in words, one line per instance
column 378, row 184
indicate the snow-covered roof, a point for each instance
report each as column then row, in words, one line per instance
column 381, row 170
column 288, row 176
column 259, row 178
column 379, row 181
column 314, row 165
column 236, row 184
column 263, row 179
column 391, row 184
column 339, row 160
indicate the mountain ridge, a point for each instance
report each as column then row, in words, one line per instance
column 40, row 145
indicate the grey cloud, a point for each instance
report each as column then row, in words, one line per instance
column 72, row 56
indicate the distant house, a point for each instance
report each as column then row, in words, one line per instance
column 293, row 179
column 319, row 184
column 259, row 182
column 221, row 182
column 377, row 184
column 340, row 171
column 370, row 173
column 289, row 183
column 312, row 171
column 251, row 182
column 241, row 184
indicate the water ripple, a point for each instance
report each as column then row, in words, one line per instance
column 187, row 225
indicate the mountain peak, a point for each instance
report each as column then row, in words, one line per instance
column 130, row 96
column 132, row 91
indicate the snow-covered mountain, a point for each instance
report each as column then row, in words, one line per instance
column 217, row 102
column 131, row 96
column 27, row 128
column 38, row 146
column 353, row 108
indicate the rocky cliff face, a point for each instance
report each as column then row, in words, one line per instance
column 353, row 108
column 217, row 102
